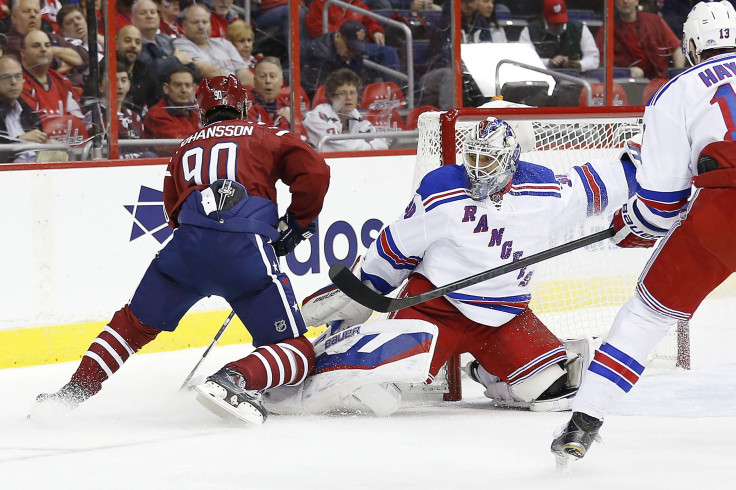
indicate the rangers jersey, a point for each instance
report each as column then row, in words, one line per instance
column 695, row 108
column 446, row 236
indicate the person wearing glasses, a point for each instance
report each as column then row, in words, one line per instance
column 174, row 116
column 18, row 122
column 339, row 115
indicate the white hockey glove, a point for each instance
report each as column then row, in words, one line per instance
column 329, row 304
column 630, row 231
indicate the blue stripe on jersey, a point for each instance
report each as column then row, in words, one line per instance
column 646, row 223
column 615, row 378
column 532, row 192
column 389, row 251
column 630, row 173
column 508, row 304
column 594, row 187
column 623, row 358
column 441, row 180
column 451, row 196
column 664, row 203
column 705, row 64
column 377, row 281
column 530, row 173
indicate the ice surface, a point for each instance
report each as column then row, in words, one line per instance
column 676, row 430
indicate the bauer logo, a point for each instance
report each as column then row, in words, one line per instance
column 149, row 215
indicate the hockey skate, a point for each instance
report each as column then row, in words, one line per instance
column 576, row 438
column 65, row 400
column 225, row 395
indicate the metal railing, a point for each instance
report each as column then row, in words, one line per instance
column 569, row 78
column 409, row 75
column 366, row 136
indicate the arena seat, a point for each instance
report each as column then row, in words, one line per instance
column 382, row 95
column 319, row 96
column 385, row 119
column 69, row 129
column 619, row 95
column 652, row 87
column 283, row 97
column 413, row 117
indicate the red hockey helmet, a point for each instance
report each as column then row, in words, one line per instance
column 221, row 92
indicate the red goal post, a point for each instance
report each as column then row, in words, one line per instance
column 576, row 294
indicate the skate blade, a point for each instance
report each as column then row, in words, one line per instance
column 244, row 413
column 563, row 461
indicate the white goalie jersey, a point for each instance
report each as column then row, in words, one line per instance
column 446, row 236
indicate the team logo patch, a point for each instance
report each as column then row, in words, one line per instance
column 149, row 215
column 280, row 325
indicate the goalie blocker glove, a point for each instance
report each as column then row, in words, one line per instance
column 291, row 234
column 630, row 231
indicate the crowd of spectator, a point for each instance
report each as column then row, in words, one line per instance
column 164, row 47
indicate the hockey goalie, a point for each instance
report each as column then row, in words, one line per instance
column 464, row 219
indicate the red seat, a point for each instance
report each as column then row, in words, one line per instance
column 385, row 119
column 619, row 95
column 285, row 93
column 651, row 88
column 319, row 96
column 69, row 129
column 413, row 117
column 382, row 95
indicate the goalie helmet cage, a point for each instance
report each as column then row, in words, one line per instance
column 577, row 294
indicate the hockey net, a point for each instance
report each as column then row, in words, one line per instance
column 576, row 294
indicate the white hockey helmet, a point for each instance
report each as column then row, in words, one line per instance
column 490, row 155
column 709, row 25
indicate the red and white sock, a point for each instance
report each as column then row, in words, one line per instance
column 272, row 365
column 120, row 339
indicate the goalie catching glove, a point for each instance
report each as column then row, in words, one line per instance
column 291, row 234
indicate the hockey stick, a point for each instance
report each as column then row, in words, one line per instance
column 219, row 333
column 352, row 286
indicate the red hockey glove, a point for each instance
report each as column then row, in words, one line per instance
column 625, row 236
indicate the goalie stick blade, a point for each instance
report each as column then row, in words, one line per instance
column 352, row 286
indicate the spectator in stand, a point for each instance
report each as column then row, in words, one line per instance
column 222, row 16
column 175, row 116
column 343, row 48
column 157, row 50
column 130, row 123
column 242, row 36
column 67, row 59
column 340, row 116
column 266, row 107
column 375, row 46
column 273, row 19
column 72, row 21
column 212, row 56
column 18, row 122
column 145, row 89
column 123, row 13
column 45, row 90
column 487, row 10
column 560, row 42
column 169, row 12
column 642, row 42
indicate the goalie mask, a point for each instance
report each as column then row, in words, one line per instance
column 222, row 92
column 490, row 155
column 708, row 26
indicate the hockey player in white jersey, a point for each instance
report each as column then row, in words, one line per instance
column 689, row 133
column 465, row 219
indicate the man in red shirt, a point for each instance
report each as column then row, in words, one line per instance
column 174, row 116
column 642, row 42
column 45, row 90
